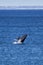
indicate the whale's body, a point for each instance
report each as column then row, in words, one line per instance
column 20, row 40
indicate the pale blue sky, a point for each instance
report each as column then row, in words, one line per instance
column 21, row 2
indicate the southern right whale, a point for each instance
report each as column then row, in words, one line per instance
column 20, row 40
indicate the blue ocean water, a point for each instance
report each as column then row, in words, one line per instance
column 15, row 23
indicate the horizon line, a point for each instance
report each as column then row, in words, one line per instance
column 21, row 7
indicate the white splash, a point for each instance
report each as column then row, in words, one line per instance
column 17, row 41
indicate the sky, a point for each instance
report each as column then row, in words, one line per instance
column 21, row 2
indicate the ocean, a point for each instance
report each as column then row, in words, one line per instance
column 15, row 23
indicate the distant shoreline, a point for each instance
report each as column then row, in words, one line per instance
column 21, row 7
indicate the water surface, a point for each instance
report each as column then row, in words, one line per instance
column 14, row 24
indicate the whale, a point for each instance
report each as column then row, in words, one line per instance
column 20, row 40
